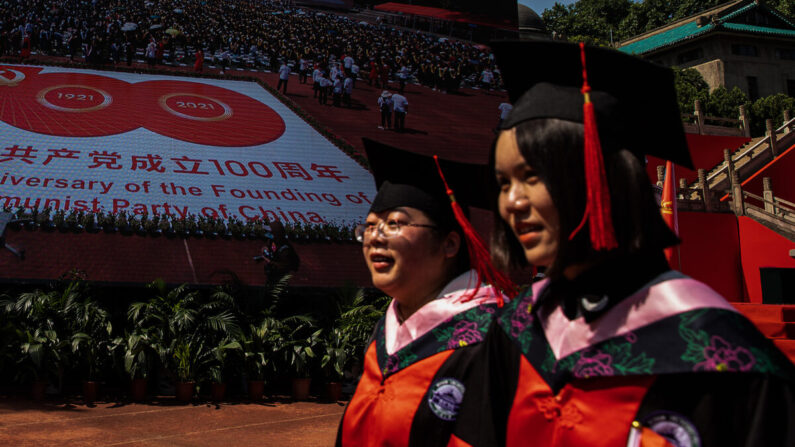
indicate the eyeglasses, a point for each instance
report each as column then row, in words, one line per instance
column 387, row 229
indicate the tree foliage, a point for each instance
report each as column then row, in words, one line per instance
column 786, row 7
column 599, row 21
column 690, row 86
column 770, row 107
column 725, row 102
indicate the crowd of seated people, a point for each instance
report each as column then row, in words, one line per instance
column 237, row 34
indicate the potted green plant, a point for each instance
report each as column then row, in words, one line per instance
column 186, row 324
column 108, row 222
column 299, row 356
column 207, row 227
column 44, row 219
column 217, row 361
column 73, row 223
column 91, row 343
column 260, row 345
column 88, row 222
column 193, row 225
column 236, row 228
column 166, row 228
column 59, row 220
column 43, row 319
column 44, row 354
column 139, row 224
column 185, row 359
column 137, row 353
column 123, row 222
column 333, row 361
column 152, row 225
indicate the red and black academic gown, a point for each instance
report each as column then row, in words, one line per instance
column 634, row 355
column 415, row 376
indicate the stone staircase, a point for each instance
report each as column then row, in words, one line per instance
column 709, row 191
column 776, row 322
column 752, row 156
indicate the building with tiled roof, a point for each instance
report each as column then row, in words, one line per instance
column 742, row 43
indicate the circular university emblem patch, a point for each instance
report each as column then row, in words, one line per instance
column 675, row 428
column 445, row 398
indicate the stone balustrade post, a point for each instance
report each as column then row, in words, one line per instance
column 787, row 117
column 699, row 112
column 746, row 121
column 771, row 133
column 727, row 158
column 660, row 175
column 737, row 195
column 706, row 194
column 767, row 194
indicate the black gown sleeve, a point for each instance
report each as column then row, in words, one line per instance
column 483, row 418
column 723, row 409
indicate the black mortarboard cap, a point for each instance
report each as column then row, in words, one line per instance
column 634, row 100
column 405, row 178
column 443, row 189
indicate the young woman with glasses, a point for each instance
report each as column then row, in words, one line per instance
column 418, row 366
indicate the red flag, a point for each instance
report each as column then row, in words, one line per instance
column 668, row 209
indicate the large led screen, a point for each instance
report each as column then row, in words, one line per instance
column 83, row 140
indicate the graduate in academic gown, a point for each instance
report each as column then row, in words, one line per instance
column 613, row 348
column 422, row 251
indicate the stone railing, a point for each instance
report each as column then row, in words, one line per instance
column 699, row 123
column 747, row 160
column 773, row 212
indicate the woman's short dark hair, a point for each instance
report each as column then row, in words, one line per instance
column 554, row 149
column 462, row 263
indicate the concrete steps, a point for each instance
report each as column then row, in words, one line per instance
column 775, row 321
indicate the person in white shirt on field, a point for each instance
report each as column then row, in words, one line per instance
column 303, row 68
column 403, row 76
column 355, row 73
column 385, row 106
column 347, row 89
column 337, row 92
column 316, row 75
column 284, row 75
column 400, row 105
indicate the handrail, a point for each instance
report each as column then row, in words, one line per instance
column 751, row 149
column 724, row 120
column 785, row 202
column 745, row 152
column 762, row 211
column 786, row 125
column 784, row 208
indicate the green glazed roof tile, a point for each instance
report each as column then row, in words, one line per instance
column 665, row 38
column 691, row 29
column 759, row 29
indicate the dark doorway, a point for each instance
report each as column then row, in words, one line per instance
column 778, row 285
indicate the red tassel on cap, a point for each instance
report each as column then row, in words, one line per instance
column 479, row 257
column 597, row 207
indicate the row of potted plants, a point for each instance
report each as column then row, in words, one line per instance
column 189, row 226
column 183, row 335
